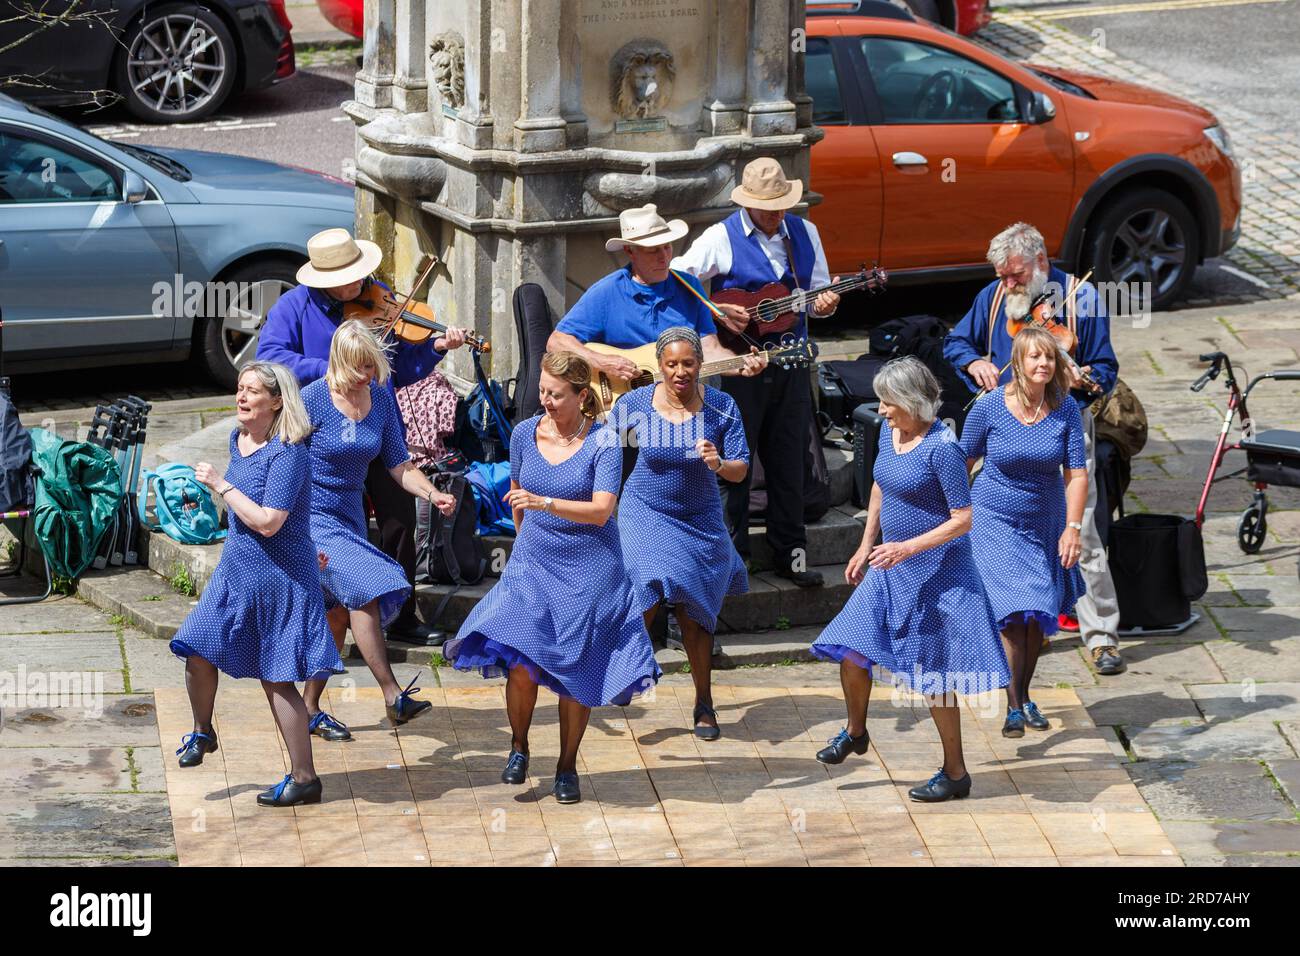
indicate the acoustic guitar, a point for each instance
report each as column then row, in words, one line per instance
column 610, row 387
column 774, row 309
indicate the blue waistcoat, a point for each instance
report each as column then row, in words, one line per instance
column 751, row 269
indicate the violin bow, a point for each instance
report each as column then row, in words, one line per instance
column 430, row 261
column 1086, row 276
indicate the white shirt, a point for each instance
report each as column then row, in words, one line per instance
column 710, row 254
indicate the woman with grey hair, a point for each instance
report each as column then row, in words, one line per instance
column 919, row 610
column 675, row 541
column 249, row 623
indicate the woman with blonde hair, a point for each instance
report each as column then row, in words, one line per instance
column 355, row 419
column 1026, row 520
column 562, row 616
column 261, row 614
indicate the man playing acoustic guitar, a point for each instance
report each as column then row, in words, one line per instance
column 631, row 306
column 754, row 246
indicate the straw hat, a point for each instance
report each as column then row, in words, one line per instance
column 763, row 186
column 337, row 259
column 644, row 227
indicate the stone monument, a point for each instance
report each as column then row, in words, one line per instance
column 505, row 136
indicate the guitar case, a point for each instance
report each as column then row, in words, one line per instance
column 534, row 323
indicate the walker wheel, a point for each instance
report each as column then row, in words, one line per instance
column 1251, row 529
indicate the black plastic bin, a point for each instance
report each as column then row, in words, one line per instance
column 1158, row 565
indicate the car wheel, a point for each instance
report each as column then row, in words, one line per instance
column 1145, row 236
column 178, row 64
column 226, row 340
column 921, row 9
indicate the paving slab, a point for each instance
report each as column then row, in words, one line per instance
column 1277, row 660
column 1251, row 624
column 1268, row 701
column 1202, row 741
column 1213, row 789
column 1115, row 703
column 429, row 792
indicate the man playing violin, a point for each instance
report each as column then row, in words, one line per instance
column 757, row 244
column 297, row 333
column 979, row 348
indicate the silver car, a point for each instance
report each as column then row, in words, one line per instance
column 113, row 253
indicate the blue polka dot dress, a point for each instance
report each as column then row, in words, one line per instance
column 926, row 619
column 563, row 608
column 675, row 540
column 261, row 614
column 1019, row 508
column 341, row 453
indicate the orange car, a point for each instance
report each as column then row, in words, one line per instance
column 933, row 145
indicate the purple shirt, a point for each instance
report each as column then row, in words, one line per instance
column 301, row 325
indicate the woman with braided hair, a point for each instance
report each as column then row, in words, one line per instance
column 675, row 541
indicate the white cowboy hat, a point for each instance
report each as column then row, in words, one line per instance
column 336, row 259
column 763, row 186
column 644, row 227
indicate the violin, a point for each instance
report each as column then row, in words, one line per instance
column 1041, row 315
column 386, row 313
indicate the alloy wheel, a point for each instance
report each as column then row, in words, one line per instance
column 176, row 64
column 1150, row 246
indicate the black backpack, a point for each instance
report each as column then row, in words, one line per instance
column 447, row 548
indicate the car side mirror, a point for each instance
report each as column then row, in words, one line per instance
column 134, row 188
column 1041, row 108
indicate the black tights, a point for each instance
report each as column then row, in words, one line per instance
column 1022, row 642
column 521, row 700
column 699, row 652
column 946, row 712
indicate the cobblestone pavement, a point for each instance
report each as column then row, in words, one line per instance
column 1269, row 247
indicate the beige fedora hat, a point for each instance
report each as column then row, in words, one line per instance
column 646, row 228
column 763, row 186
column 336, row 259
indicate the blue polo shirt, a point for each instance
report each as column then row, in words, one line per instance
column 621, row 312
column 302, row 323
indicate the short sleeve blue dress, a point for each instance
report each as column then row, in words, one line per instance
column 675, row 540
column 926, row 619
column 261, row 614
column 563, row 608
column 1019, row 508
column 341, row 452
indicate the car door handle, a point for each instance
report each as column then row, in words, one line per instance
column 910, row 159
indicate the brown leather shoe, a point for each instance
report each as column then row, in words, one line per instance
column 1106, row 660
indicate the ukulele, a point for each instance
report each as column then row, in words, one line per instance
column 774, row 309
column 609, row 387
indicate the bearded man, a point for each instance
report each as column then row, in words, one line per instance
column 979, row 348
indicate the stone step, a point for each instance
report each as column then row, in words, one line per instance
column 831, row 540
column 146, row 602
column 787, row 646
column 772, row 602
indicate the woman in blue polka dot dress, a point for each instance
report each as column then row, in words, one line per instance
column 1028, row 431
column 261, row 614
column 562, row 615
column 356, row 420
column 919, row 608
column 675, row 540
